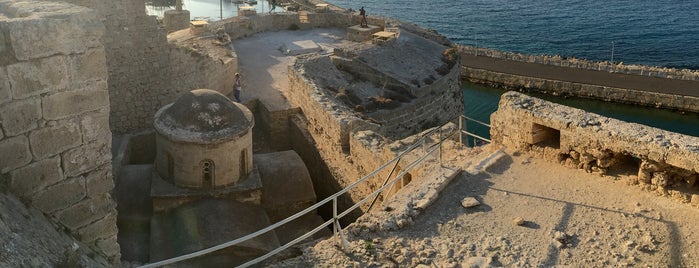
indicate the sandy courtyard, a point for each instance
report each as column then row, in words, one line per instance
column 263, row 66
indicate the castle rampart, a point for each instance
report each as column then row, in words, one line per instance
column 604, row 66
column 660, row 160
column 55, row 143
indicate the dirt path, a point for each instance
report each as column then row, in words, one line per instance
column 643, row 83
column 569, row 218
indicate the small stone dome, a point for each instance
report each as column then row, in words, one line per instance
column 203, row 116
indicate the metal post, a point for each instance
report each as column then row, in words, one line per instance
column 439, row 134
column 220, row 8
column 461, row 131
column 335, row 221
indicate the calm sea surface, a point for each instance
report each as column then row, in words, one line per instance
column 659, row 33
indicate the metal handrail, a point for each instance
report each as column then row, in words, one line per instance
column 332, row 198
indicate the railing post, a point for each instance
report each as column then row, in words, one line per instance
column 461, row 131
column 335, row 222
column 439, row 134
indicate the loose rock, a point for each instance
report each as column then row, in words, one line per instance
column 469, row 202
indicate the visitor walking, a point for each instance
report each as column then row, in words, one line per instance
column 236, row 87
column 272, row 5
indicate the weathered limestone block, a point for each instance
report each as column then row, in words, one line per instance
column 110, row 247
column 66, row 29
column 49, row 141
column 101, row 229
column 54, row 106
column 85, row 158
column 86, row 211
column 39, row 76
column 31, row 178
column 660, row 179
column 20, row 116
column 95, row 126
column 60, row 196
column 100, row 181
column 14, row 153
column 89, row 66
column 5, row 93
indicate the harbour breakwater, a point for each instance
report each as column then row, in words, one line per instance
column 639, row 85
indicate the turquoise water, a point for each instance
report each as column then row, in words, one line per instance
column 481, row 101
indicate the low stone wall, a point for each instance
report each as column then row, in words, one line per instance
column 656, row 159
column 240, row 27
column 605, row 66
column 55, row 143
column 564, row 88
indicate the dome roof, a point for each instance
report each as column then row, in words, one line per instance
column 203, row 116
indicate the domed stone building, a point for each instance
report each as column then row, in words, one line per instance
column 203, row 140
column 204, row 176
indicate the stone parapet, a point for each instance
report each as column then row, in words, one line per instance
column 55, row 140
column 654, row 158
column 621, row 95
column 605, row 66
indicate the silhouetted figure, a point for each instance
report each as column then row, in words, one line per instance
column 363, row 23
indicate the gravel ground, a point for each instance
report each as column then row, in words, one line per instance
column 529, row 213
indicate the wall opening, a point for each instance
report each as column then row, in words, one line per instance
column 624, row 165
column 545, row 136
column 169, row 166
column 207, row 172
column 243, row 163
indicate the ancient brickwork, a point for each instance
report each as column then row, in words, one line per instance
column 351, row 146
column 671, row 73
column 55, row 143
column 436, row 104
column 656, row 159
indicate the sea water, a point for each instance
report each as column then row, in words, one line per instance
column 657, row 33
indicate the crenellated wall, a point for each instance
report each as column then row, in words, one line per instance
column 655, row 159
column 55, row 142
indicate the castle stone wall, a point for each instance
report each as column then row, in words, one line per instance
column 55, row 142
column 605, row 66
column 656, row 159
column 637, row 97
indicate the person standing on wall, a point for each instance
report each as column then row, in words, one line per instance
column 236, row 87
column 363, row 23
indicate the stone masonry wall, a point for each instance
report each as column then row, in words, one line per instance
column 653, row 99
column 138, row 65
column 54, row 109
column 656, row 159
column 438, row 103
column 352, row 147
column 671, row 73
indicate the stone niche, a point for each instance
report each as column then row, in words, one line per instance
column 204, row 141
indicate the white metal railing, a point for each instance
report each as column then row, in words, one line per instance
column 463, row 129
column 337, row 229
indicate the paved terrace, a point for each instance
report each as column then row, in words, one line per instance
column 575, row 75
